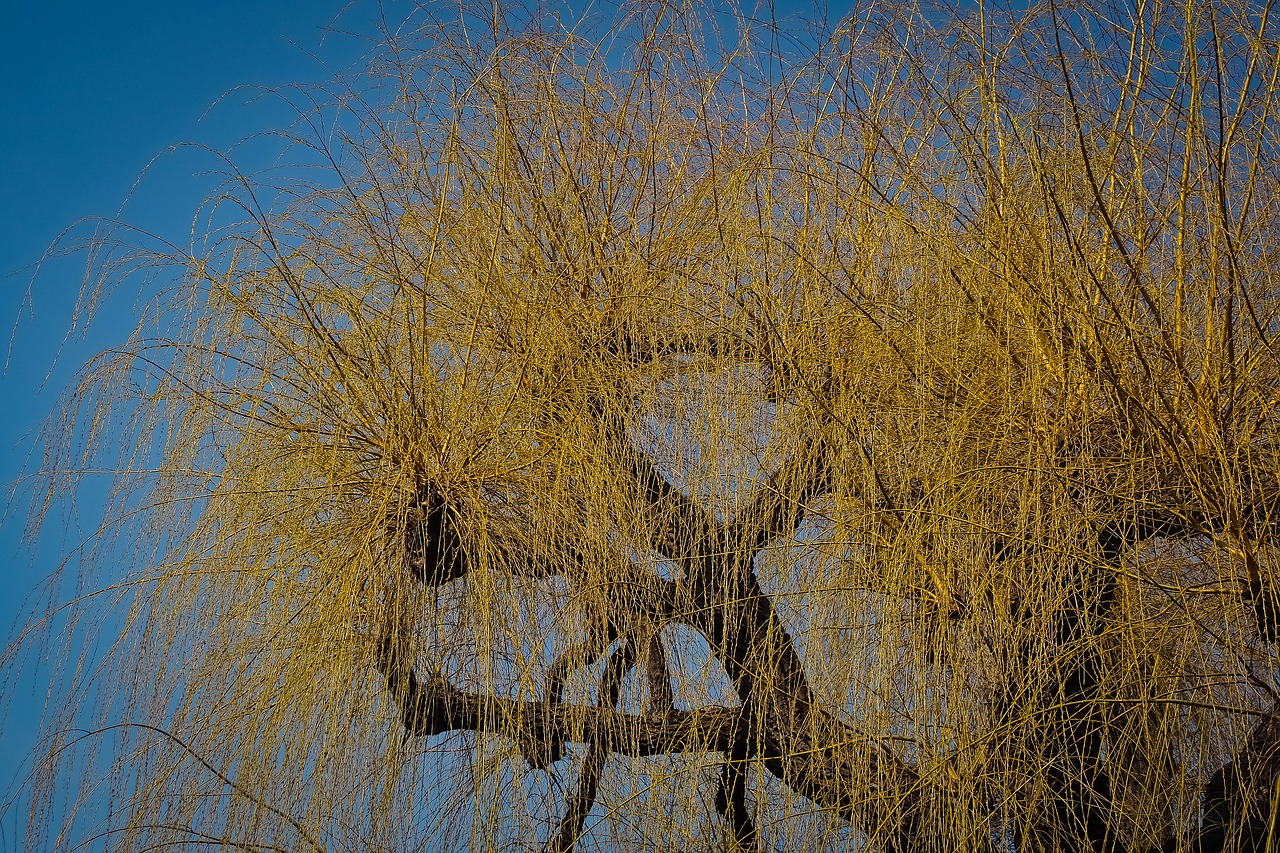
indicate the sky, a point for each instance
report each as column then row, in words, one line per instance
column 90, row 94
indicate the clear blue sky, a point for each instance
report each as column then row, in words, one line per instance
column 90, row 92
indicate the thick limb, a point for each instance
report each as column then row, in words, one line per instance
column 1079, row 817
column 731, row 795
column 570, row 828
column 434, row 706
column 428, row 533
column 600, row 635
column 1239, row 807
column 813, row 752
column 658, row 677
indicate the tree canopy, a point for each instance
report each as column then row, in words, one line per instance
column 660, row 428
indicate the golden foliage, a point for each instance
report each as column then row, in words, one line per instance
column 899, row 392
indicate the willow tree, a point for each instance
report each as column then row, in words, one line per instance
column 675, row 430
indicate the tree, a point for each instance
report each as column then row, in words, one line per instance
column 676, row 430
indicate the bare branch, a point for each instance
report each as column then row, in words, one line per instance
column 731, row 794
column 1239, row 808
column 428, row 533
column 580, row 803
column 658, row 677
column 779, row 506
column 435, row 706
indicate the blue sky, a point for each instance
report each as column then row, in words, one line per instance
column 90, row 93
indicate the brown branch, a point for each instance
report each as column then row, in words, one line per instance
column 731, row 793
column 584, row 798
column 800, row 743
column 428, row 533
column 635, row 601
column 434, row 706
column 1239, row 809
column 1071, row 727
column 600, row 635
column 779, row 507
column 809, row 749
column 658, row 677
column 1264, row 605
column 679, row 528
column 826, row 761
